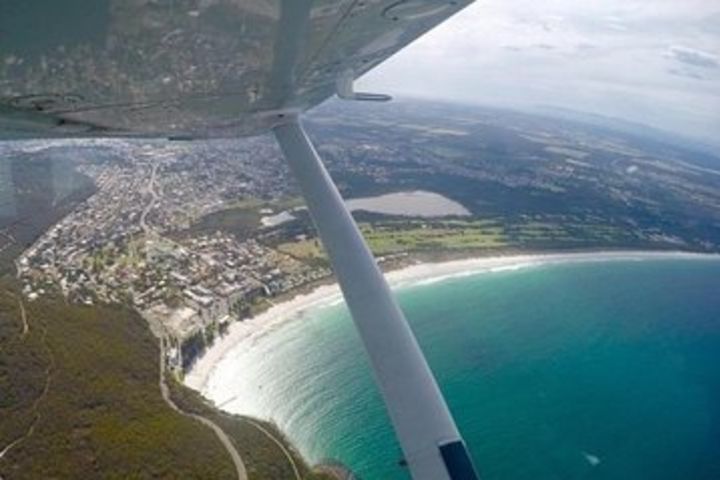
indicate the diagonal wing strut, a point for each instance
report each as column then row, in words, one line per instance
column 429, row 438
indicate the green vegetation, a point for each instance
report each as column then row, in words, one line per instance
column 401, row 236
column 243, row 217
column 511, row 166
column 306, row 250
column 80, row 391
column 553, row 232
column 478, row 236
column 393, row 236
column 242, row 221
column 79, row 395
column 262, row 456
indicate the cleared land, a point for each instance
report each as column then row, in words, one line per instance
column 394, row 236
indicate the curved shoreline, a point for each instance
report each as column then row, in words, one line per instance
column 287, row 311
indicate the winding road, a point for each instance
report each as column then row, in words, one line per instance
column 279, row 444
column 23, row 317
column 165, row 391
column 224, row 439
column 153, row 193
column 46, row 388
column 269, row 435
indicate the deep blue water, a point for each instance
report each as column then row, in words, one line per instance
column 604, row 370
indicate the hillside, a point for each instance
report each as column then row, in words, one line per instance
column 80, row 399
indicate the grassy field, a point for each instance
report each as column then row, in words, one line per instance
column 478, row 236
column 567, row 233
column 412, row 236
column 79, row 395
column 388, row 235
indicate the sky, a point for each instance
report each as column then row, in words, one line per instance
column 655, row 62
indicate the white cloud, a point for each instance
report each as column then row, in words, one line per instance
column 643, row 60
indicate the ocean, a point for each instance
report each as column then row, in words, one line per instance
column 581, row 370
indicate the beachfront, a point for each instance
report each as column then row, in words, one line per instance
column 243, row 334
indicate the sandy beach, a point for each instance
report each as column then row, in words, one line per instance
column 265, row 323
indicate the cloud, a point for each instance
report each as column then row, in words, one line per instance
column 536, row 46
column 711, row 24
column 691, row 56
column 686, row 73
column 640, row 60
column 584, row 46
column 615, row 23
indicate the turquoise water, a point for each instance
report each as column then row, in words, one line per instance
column 569, row 371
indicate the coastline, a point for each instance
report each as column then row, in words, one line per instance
column 294, row 304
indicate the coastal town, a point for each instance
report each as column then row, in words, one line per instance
column 197, row 235
column 121, row 245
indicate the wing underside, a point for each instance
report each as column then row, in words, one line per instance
column 194, row 69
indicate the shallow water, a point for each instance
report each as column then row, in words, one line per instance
column 601, row 370
column 415, row 204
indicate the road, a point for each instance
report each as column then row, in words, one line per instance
column 23, row 317
column 153, row 193
column 279, row 444
column 36, row 404
column 164, row 390
column 268, row 434
column 224, row 439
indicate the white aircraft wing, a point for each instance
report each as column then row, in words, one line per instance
column 189, row 69
column 226, row 68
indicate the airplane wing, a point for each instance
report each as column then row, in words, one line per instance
column 189, row 69
column 226, row 68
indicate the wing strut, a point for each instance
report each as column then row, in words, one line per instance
column 429, row 438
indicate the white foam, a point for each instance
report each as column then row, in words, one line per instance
column 593, row 460
column 247, row 333
column 250, row 330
